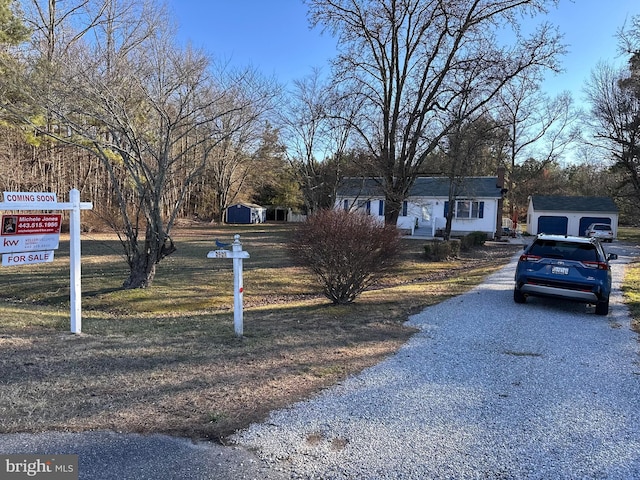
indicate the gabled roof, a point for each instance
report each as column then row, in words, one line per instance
column 471, row 187
column 360, row 187
column 465, row 187
column 558, row 203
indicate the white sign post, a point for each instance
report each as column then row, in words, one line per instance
column 237, row 254
column 47, row 201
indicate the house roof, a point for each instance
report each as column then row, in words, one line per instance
column 558, row 203
column 466, row 187
column 472, row 187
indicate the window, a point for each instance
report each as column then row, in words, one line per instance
column 581, row 252
column 469, row 209
column 463, row 209
column 365, row 205
column 466, row 209
column 475, row 210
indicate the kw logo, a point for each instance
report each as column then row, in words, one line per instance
column 6, row 242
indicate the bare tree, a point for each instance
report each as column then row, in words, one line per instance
column 536, row 125
column 407, row 61
column 58, row 25
column 614, row 94
column 629, row 37
column 148, row 110
column 231, row 162
column 467, row 147
column 317, row 142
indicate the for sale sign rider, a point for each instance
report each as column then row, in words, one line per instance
column 29, row 238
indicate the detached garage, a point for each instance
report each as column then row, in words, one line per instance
column 246, row 213
column 563, row 215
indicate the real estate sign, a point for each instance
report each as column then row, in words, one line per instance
column 32, row 233
column 29, row 197
column 32, row 224
column 32, row 238
column 25, row 258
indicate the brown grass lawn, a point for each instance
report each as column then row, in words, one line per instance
column 631, row 287
column 165, row 359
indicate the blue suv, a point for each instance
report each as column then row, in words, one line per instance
column 573, row 268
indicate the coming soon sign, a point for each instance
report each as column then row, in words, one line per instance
column 28, row 238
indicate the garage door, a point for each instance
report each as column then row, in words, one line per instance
column 586, row 221
column 553, row 225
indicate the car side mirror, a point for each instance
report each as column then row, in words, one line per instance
column 612, row 256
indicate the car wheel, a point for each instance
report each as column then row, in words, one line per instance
column 602, row 308
column 518, row 296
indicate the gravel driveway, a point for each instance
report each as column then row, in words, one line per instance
column 488, row 389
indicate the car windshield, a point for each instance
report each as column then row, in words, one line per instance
column 602, row 227
column 582, row 252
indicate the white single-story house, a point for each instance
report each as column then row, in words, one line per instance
column 567, row 215
column 477, row 205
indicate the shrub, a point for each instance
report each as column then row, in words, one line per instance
column 473, row 239
column 437, row 251
column 347, row 251
column 478, row 238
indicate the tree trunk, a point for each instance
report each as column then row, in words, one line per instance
column 446, row 235
column 142, row 263
column 392, row 208
column 142, row 270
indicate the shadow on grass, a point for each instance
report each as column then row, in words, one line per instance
column 165, row 359
column 186, row 376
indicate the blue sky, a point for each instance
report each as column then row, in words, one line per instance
column 271, row 35
column 274, row 35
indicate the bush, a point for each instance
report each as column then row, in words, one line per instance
column 478, row 238
column 437, row 251
column 473, row 239
column 348, row 252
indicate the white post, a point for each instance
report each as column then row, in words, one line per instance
column 238, row 288
column 74, row 259
column 74, row 206
column 237, row 254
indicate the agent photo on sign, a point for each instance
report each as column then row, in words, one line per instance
column 8, row 225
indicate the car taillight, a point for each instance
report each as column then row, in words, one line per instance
column 598, row 265
column 529, row 258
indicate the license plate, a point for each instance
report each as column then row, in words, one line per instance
column 560, row 270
